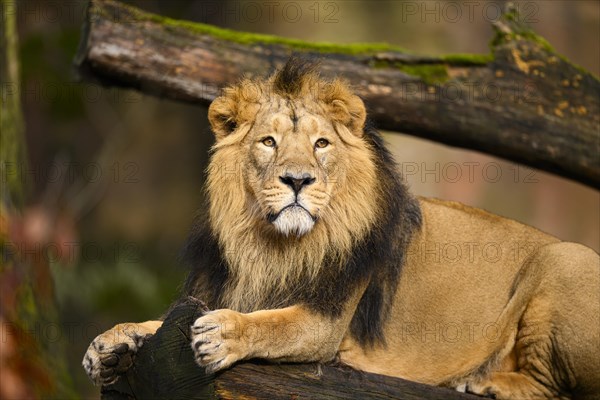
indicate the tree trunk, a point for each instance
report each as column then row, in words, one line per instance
column 32, row 362
column 522, row 102
column 164, row 368
column 11, row 124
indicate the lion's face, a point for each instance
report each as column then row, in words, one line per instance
column 290, row 157
column 294, row 162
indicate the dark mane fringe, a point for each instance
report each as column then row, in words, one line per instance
column 289, row 80
column 383, row 251
column 208, row 268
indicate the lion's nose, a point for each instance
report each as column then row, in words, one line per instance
column 297, row 183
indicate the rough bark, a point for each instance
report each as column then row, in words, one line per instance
column 522, row 102
column 164, row 368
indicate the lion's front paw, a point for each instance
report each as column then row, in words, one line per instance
column 111, row 353
column 217, row 341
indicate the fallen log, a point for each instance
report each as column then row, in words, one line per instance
column 523, row 101
column 164, row 368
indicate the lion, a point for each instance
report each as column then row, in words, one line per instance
column 312, row 249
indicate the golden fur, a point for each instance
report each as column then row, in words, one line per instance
column 314, row 250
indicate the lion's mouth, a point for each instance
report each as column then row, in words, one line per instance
column 293, row 219
column 273, row 216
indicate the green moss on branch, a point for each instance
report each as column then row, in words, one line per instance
column 430, row 74
column 248, row 38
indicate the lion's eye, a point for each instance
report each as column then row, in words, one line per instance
column 321, row 143
column 269, row 142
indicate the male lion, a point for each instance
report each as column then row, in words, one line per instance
column 312, row 249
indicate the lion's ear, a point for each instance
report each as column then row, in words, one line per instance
column 237, row 105
column 350, row 112
column 222, row 115
column 344, row 107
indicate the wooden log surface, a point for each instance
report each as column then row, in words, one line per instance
column 522, row 102
column 164, row 368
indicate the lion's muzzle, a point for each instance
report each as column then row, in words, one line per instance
column 293, row 219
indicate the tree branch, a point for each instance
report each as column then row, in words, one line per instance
column 164, row 368
column 522, row 102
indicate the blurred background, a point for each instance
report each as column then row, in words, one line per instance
column 113, row 178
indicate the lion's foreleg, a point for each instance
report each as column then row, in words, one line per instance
column 294, row 334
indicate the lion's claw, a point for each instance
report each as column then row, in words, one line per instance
column 109, row 361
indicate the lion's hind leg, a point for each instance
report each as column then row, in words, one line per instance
column 557, row 345
column 508, row 385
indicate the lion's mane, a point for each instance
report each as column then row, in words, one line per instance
column 318, row 270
